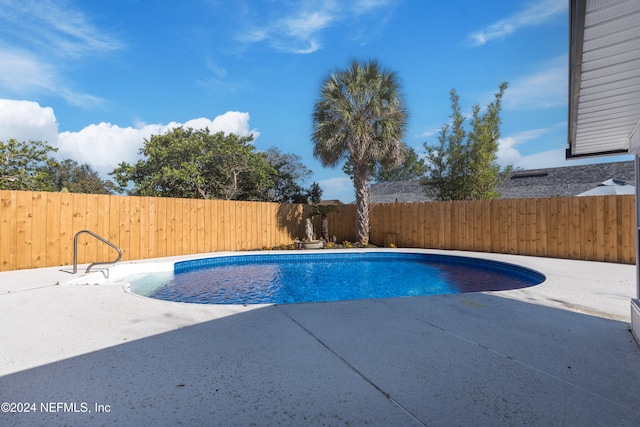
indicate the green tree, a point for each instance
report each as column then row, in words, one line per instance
column 463, row 166
column 25, row 165
column 197, row 164
column 77, row 178
column 360, row 117
column 288, row 177
column 411, row 168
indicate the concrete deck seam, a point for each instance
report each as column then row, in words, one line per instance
column 29, row 289
column 512, row 359
column 354, row 369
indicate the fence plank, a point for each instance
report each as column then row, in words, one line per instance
column 205, row 209
column 227, row 225
column 53, row 256
column 24, row 228
column 513, row 226
column 216, row 244
column 145, row 226
column 575, row 229
column 628, row 230
column 91, row 224
column 171, row 228
column 267, row 216
column 600, row 220
column 161, row 226
column 178, row 224
column 151, row 230
column 134, row 227
column 610, row 229
column 114, row 235
column 103, row 252
column 422, row 225
column 532, row 246
column 587, row 235
column 78, row 205
column 124, row 220
column 542, row 247
column 8, row 230
column 552, row 217
column 39, row 232
column 201, row 226
column 495, row 226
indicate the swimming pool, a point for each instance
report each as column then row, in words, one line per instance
column 327, row 276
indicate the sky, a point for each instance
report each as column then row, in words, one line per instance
column 97, row 78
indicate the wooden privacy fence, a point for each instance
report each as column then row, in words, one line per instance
column 37, row 228
column 588, row 228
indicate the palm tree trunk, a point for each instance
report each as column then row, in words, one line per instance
column 324, row 228
column 361, row 185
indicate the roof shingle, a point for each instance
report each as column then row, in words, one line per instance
column 538, row 183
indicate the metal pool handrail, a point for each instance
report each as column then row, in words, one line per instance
column 75, row 250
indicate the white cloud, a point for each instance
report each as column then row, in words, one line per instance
column 102, row 145
column 232, row 122
column 79, row 99
column 304, row 25
column 218, row 71
column 538, row 12
column 217, row 79
column 299, row 28
column 544, row 89
column 55, row 28
column 25, row 120
column 365, row 6
column 429, row 133
column 545, row 159
column 41, row 42
column 21, row 72
column 508, row 154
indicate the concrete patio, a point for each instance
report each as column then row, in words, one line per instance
column 556, row 354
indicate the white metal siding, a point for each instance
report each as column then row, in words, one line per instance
column 607, row 73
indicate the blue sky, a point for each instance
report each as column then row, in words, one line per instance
column 95, row 78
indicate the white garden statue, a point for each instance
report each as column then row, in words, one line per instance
column 309, row 230
column 309, row 243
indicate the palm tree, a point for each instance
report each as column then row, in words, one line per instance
column 360, row 118
column 321, row 210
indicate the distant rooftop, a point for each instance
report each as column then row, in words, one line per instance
column 535, row 183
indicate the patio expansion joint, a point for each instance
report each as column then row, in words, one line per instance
column 17, row 291
column 511, row 358
column 355, row 370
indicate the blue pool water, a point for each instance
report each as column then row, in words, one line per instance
column 283, row 278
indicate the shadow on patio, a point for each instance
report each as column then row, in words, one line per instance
column 445, row 360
